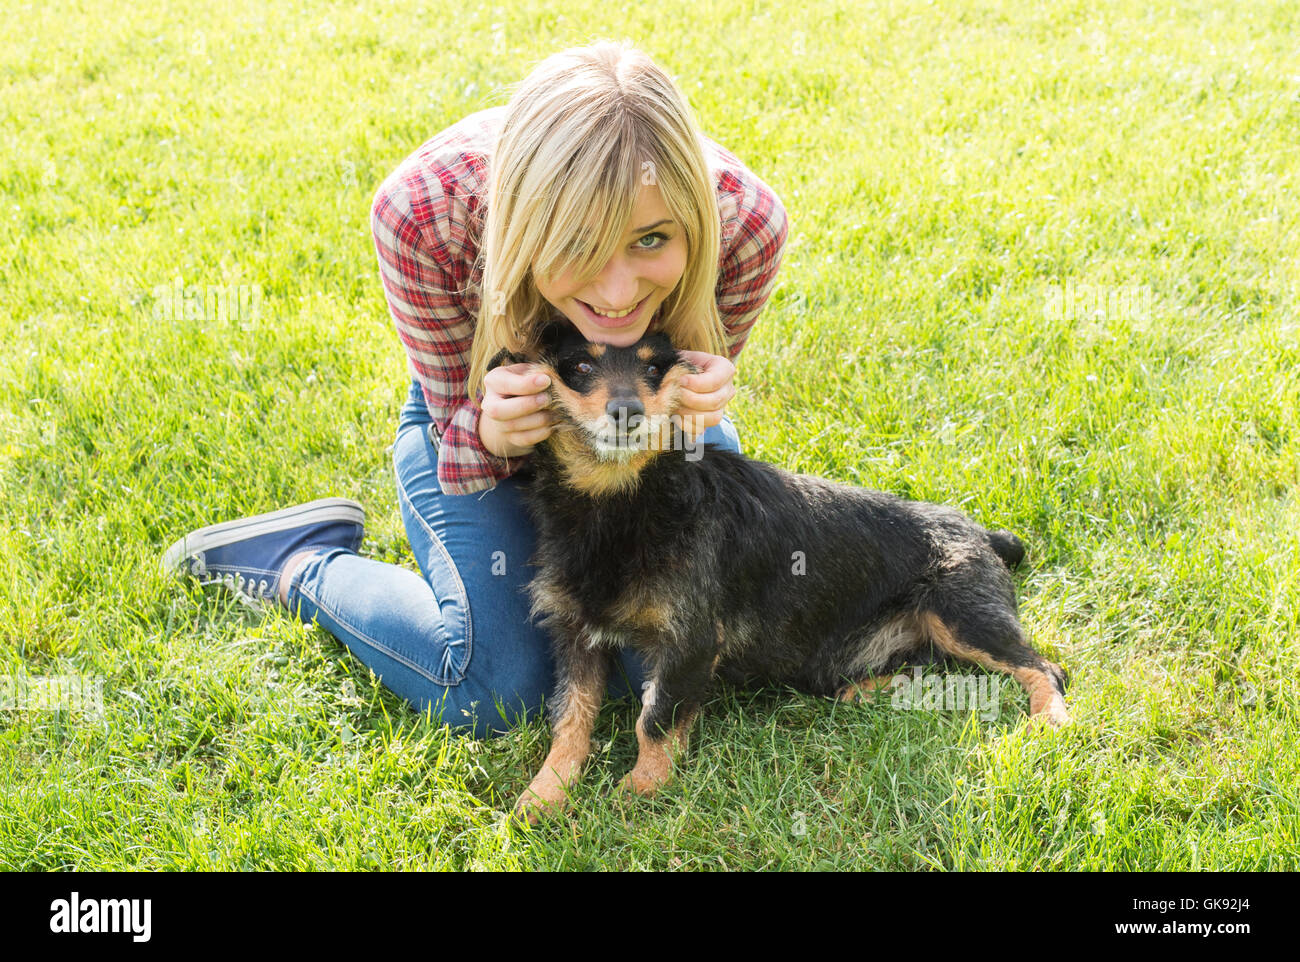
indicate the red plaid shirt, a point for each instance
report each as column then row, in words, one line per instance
column 427, row 220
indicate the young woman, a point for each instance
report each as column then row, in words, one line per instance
column 593, row 196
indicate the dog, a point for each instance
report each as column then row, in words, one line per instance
column 714, row 565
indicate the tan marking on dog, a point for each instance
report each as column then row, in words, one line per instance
column 593, row 406
column 1045, row 702
column 645, row 353
column 640, row 609
column 869, row 689
column 595, row 477
column 597, row 351
column 548, row 792
column 666, row 402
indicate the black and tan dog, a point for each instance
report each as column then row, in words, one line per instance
column 711, row 564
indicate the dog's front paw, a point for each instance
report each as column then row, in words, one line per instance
column 545, row 797
column 644, row 781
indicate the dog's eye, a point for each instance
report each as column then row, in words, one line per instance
column 653, row 370
column 582, row 367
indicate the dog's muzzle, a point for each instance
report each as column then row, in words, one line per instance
column 624, row 428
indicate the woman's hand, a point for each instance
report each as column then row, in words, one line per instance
column 514, row 417
column 705, row 394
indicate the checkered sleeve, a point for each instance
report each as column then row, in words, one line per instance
column 754, row 230
column 424, row 258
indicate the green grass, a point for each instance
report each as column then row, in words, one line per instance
column 946, row 167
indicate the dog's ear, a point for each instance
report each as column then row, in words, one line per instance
column 683, row 363
column 551, row 336
column 505, row 356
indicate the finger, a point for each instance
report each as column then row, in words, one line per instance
column 706, row 382
column 695, row 423
column 530, row 422
column 712, row 400
column 529, row 439
column 512, row 408
column 701, row 359
column 713, row 372
column 515, row 380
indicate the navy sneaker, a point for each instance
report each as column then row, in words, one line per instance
column 248, row 555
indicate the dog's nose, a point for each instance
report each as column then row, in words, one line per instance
column 628, row 410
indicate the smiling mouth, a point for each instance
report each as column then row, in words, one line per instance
column 615, row 315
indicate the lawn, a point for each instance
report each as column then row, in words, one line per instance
column 1042, row 265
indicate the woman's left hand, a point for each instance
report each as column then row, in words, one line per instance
column 705, row 394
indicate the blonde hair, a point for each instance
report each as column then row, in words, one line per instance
column 581, row 134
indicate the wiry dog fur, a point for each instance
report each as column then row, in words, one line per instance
column 711, row 564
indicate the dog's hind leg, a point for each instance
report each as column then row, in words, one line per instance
column 996, row 643
column 578, row 696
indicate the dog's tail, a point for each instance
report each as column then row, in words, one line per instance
column 1007, row 547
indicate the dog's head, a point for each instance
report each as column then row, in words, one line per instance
column 617, row 406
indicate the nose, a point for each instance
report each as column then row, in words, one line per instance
column 616, row 286
column 625, row 412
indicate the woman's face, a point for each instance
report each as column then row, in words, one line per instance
column 617, row 305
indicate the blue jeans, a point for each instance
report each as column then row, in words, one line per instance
column 460, row 640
